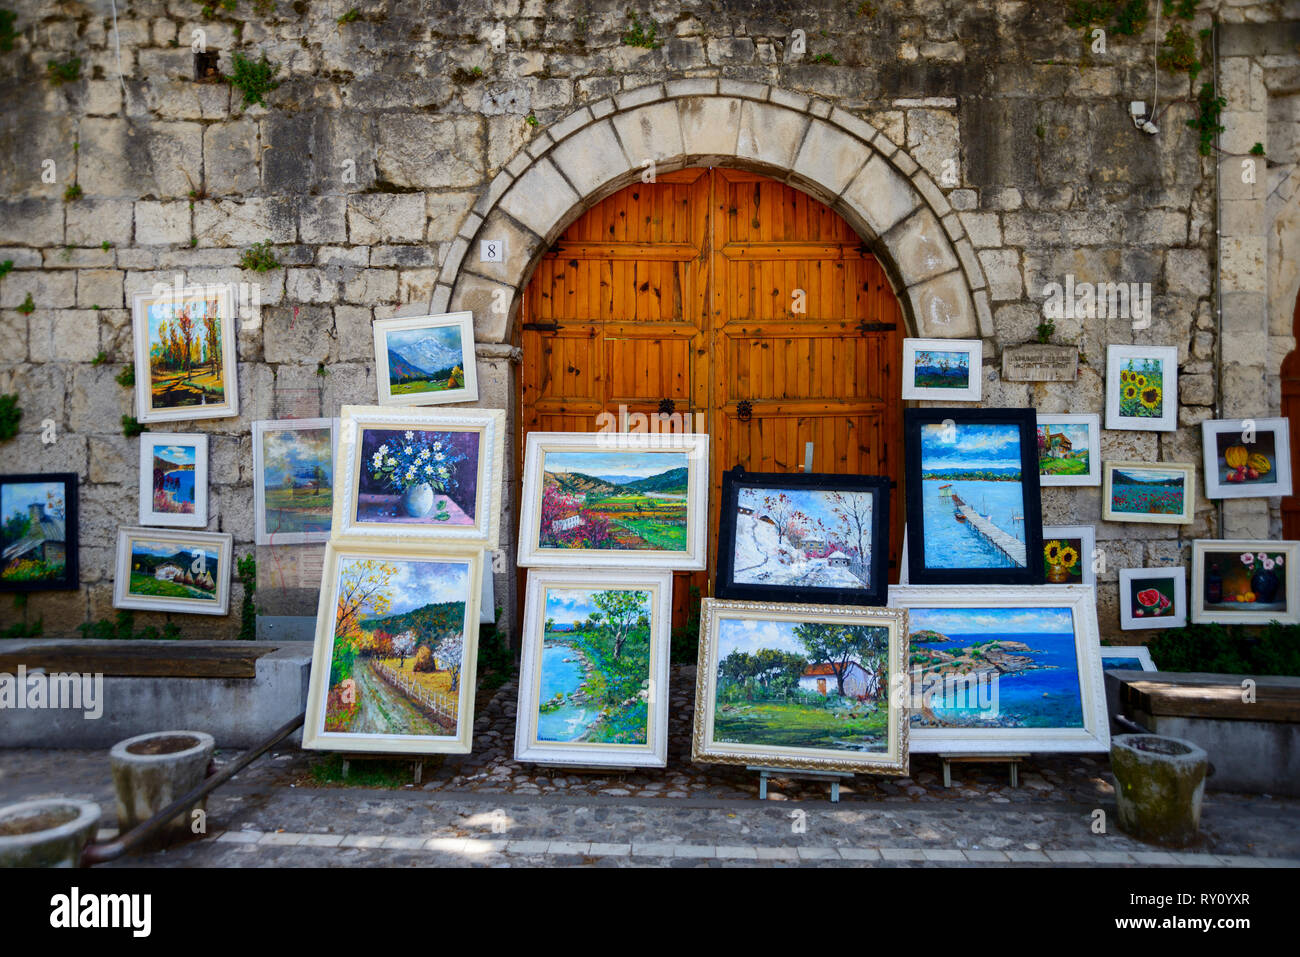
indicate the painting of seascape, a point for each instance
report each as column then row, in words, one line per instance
column 973, row 501
column 1022, row 662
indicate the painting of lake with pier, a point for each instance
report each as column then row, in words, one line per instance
column 971, row 497
column 994, row 668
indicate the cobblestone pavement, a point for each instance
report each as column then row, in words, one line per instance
column 485, row 808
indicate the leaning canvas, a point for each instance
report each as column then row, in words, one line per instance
column 1004, row 670
column 593, row 686
column 185, row 353
column 420, row 475
column 800, row 686
column 614, row 498
column 161, row 569
column 393, row 668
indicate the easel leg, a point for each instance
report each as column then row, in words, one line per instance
column 835, row 792
column 419, row 771
column 347, row 765
column 947, row 773
column 1015, row 774
column 762, row 785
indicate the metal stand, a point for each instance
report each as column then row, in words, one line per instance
column 417, row 764
column 1011, row 760
column 834, row 777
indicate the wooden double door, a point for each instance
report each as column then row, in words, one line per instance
column 741, row 301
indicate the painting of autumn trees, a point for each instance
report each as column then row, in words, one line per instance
column 397, row 647
column 186, row 352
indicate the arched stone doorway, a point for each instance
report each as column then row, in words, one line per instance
column 733, row 298
column 880, row 191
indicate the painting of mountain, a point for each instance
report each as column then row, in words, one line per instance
column 425, row 360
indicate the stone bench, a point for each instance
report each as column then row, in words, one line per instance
column 236, row 691
column 1253, row 745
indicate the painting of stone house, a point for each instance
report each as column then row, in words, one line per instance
column 34, row 533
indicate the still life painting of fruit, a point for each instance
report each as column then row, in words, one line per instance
column 1152, row 598
column 1241, row 463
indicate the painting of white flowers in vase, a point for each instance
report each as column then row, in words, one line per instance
column 418, row 477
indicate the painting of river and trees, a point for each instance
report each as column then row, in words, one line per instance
column 594, row 674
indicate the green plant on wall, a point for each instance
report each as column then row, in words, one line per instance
column 131, row 426
column 123, row 629
column 63, row 71
column 5, row 266
column 27, row 307
column 7, row 34
column 126, row 377
column 246, row 572
column 253, row 78
column 1178, row 53
column 1206, row 121
column 10, row 413
column 259, row 257
column 638, row 36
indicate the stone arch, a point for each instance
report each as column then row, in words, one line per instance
column 825, row 151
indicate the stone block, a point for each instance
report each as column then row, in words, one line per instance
column 920, row 248
column 63, row 335
column 31, row 222
column 427, row 151
column 539, row 199
column 355, row 332
column 652, row 132
column 830, row 158
column 244, row 222
column 121, row 158
column 1002, row 269
column 879, row 196
column 96, row 403
column 93, row 221
column 385, row 217
column 942, row 307
column 99, row 287
column 709, row 126
column 162, row 223
column 770, row 134
column 49, row 288
column 296, row 334
column 446, row 211
column 230, row 158
column 590, row 158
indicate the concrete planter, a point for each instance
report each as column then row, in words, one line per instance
column 152, row 770
column 1159, row 782
column 47, row 833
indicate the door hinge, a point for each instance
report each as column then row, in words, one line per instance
column 877, row 326
column 541, row 327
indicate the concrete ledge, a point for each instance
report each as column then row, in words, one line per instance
column 237, row 711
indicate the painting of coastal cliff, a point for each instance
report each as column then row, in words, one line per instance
column 994, row 668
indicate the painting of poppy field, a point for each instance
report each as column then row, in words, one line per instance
column 1148, row 491
column 1141, row 383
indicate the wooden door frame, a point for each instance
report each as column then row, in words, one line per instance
column 1290, row 388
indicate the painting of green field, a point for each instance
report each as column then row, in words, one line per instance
column 802, row 685
column 615, row 500
column 170, row 570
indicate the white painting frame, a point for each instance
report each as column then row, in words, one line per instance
column 1141, row 652
column 151, row 516
column 462, row 321
column 1087, row 535
column 1093, row 475
column 528, row 745
column 124, row 598
column 488, row 423
column 1201, row 548
column 1167, row 421
column 314, row 735
column 226, row 299
column 1093, row 736
column 974, row 350
column 260, row 428
column 1129, row 621
column 1216, row 487
column 1185, row 517
column 540, row 444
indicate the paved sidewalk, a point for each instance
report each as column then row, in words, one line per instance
column 267, row 818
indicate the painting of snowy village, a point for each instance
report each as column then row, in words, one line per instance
column 593, row 678
column 806, row 684
column 792, row 536
column 970, row 497
column 994, row 668
column 397, row 646
column 619, row 500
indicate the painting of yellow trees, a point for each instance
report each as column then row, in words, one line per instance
column 185, row 353
column 396, row 647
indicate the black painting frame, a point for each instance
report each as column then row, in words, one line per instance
column 71, row 578
column 1031, row 503
column 878, row 486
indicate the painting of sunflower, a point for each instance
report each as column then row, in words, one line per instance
column 1061, row 561
column 1142, row 394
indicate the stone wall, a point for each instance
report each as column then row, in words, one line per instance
column 396, row 137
